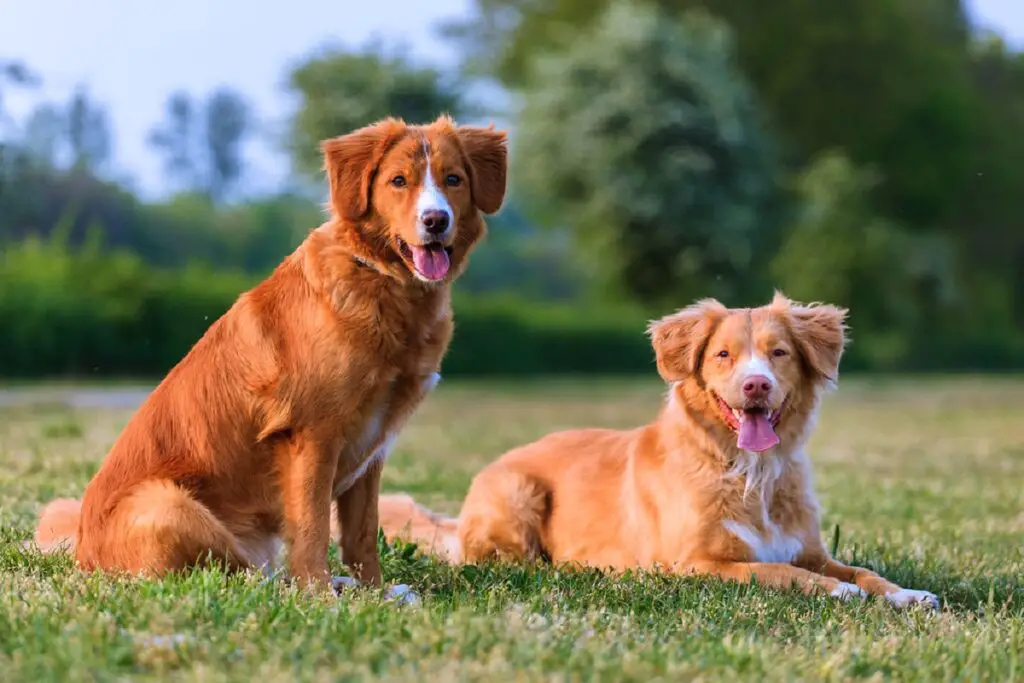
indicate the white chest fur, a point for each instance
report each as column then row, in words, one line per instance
column 767, row 541
column 372, row 434
column 770, row 545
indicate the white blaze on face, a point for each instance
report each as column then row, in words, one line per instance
column 755, row 366
column 431, row 197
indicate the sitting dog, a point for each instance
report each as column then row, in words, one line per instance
column 290, row 402
column 719, row 484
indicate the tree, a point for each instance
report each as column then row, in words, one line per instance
column 13, row 72
column 45, row 133
column 204, row 156
column 339, row 91
column 175, row 140
column 991, row 230
column 642, row 139
column 838, row 249
column 227, row 125
column 882, row 79
column 88, row 133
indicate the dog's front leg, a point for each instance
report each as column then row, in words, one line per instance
column 357, row 516
column 867, row 580
column 306, row 466
column 775, row 575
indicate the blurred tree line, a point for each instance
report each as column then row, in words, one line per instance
column 863, row 153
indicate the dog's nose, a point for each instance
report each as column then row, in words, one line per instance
column 435, row 221
column 757, row 387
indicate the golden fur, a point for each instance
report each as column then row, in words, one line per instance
column 678, row 494
column 290, row 401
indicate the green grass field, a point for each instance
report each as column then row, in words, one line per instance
column 925, row 479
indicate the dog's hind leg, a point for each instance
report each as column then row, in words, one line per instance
column 161, row 528
column 503, row 515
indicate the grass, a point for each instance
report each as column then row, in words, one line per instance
column 925, row 479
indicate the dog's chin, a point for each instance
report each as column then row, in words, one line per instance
column 430, row 262
column 754, row 425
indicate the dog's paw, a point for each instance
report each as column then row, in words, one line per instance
column 402, row 594
column 847, row 591
column 340, row 583
column 906, row 597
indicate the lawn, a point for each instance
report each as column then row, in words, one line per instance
column 925, row 479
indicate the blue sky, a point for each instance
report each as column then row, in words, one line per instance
column 133, row 54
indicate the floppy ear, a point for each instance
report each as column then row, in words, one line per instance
column 351, row 162
column 679, row 339
column 819, row 331
column 487, row 151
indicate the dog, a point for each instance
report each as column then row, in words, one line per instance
column 289, row 404
column 719, row 484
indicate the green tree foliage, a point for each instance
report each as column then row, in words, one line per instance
column 340, row 91
column 664, row 175
column 88, row 133
column 202, row 144
column 839, row 250
column 175, row 139
column 882, row 79
column 227, row 126
column 44, row 134
column 992, row 223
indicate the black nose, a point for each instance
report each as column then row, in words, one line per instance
column 435, row 221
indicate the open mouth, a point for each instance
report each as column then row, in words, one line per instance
column 754, row 426
column 430, row 261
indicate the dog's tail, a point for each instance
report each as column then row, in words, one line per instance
column 58, row 526
column 401, row 517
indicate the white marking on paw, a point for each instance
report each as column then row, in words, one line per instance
column 906, row 597
column 340, row 583
column 452, row 548
column 402, row 594
column 845, row 591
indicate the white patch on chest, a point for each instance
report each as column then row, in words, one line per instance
column 770, row 546
column 431, row 381
column 371, row 433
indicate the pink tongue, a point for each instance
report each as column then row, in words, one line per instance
column 431, row 262
column 756, row 432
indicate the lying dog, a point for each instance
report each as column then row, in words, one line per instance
column 719, row 484
column 292, row 400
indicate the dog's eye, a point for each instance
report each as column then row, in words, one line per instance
column 399, row 181
column 779, row 353
column 722, row 354
column 453, row 180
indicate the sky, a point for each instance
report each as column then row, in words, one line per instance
column 131, row 55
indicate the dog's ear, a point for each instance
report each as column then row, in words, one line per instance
column 679, row 339
column 820, row 333
column 351, row 162
column 487, row 152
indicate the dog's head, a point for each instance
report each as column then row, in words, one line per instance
column 755, row 374
column 413, row 194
